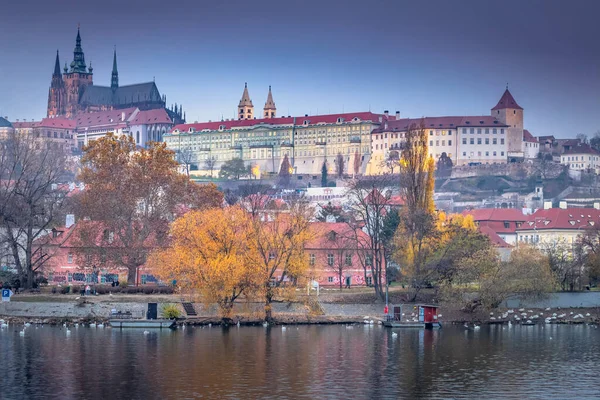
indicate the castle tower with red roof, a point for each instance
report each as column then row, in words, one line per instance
column 269, row 111
column 245, row 108
column 56, row 94
column 510, row 113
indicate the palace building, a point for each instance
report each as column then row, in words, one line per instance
column 466, row 140
column 73, row 91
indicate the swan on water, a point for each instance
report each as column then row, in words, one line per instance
column 394, row 335
column 146, row 332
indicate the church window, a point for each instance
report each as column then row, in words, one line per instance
column 137, row 137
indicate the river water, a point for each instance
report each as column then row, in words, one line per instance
column 310, row 362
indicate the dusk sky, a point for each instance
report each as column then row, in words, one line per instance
column 425, row 58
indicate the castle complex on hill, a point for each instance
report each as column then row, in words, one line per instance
column 73, row 91
column 364, row 140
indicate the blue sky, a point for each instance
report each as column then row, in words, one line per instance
column 426, row 58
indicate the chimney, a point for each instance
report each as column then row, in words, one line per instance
column 397, row 115
column 70, row 221
column 597, row 206
column 123, row 116
column 386, row 113
column 563, row 205
column 547, row 205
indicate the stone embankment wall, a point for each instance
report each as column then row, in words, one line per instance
column 551, row 170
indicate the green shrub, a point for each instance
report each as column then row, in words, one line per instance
column 170, row 311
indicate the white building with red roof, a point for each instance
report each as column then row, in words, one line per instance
column 504, row 222
column 558, row 225
column 467, row 140
column 581, row 157
column 531, row 145
column 143, row 125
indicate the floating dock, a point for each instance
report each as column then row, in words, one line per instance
column 142, row 323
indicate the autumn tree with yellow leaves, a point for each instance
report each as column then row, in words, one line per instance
column 209, row 252
column 418, row 224
column 276, row 243
column 131, row 195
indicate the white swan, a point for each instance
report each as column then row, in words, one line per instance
column 146, row 332
column 22, row 333
column 238, row 324
column 283, row 328
column 27, row 324
column 265, row 324
column 68, row 331
column 93, row 325
column 476, row 327
column 394, row 335
column 100, row 325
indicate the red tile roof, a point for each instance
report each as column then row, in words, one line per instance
column 559, row 218
column 100, row 118
column 403, row 124
column 507, row 101
column 321, row 230
column 494, row 238
column 24, row 124
column 55, row 123
column 496, row 214
column 156, row 116
column 581, row 149
column 314, row 119
column 528, row 137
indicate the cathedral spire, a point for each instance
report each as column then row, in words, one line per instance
column 114, row 82
column 56, row 66
column 78, row 64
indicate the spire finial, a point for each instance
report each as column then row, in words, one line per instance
column 245, row 84
column 506, row 85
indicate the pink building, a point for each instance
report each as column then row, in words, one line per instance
column 64, row 262
column 338, row 252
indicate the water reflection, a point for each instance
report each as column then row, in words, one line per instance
column 301, row 362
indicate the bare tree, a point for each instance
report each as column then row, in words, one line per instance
column 30, row 199
column 392, row 161
column 186, row 157
column 370, row 200
column 209, row 164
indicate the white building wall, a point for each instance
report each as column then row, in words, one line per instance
column 486, row 145
column 531, row 149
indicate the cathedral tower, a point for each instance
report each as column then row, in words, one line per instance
column 270, row 110
column 245, row 108
column 56, row 94
column 76, row 79
column 510, row 113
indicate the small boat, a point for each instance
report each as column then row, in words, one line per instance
column 142, row 323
